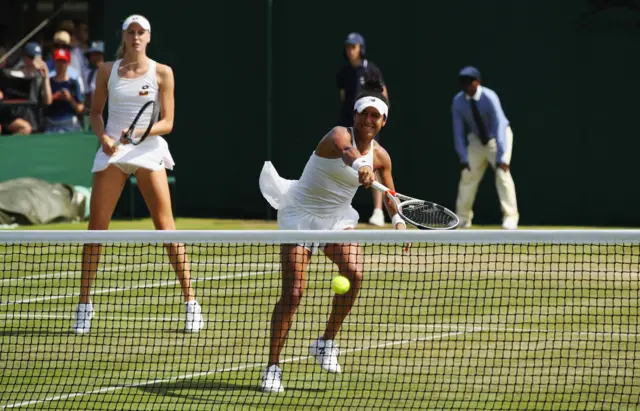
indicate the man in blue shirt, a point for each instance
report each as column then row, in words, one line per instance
column 482, row 136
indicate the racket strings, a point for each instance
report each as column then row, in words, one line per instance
column 429, row 215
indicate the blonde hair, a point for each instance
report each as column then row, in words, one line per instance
column 121, row 50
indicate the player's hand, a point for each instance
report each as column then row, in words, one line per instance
column 366, row 176
column 123, row 139
column 109, row 146
column 64, row 93
column 503, row 166
column 464, row 166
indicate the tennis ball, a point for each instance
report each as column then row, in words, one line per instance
column 340, row 284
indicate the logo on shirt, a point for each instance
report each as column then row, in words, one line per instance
column 144, row 91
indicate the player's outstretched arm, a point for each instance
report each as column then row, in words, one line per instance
column 383, row 167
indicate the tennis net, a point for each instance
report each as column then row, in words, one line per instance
column 473, row 320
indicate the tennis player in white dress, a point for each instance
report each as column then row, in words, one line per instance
column 321, row 200
column 128, row 83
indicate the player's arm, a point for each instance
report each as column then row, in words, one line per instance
column 77, row 98
column 99, row 100
column 340, row 83
column 375, row 70
column 166, row 84
column 458, row 136
column 499, row 124
column 383, row 161
column 337, row 144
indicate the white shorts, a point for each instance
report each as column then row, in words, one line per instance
column 152, row 154
column 294, row 218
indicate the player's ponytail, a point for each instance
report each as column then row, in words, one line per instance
column 121, row 50
column 373, row 87
column 373, row 84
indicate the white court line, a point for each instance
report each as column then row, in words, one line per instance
column 195, row 266
column 136, row 287
column 455, row 327
column 207, row 373
column 68, row 273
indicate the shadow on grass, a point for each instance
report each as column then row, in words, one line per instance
column 210, row 391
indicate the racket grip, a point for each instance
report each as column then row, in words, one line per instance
column 376, row 185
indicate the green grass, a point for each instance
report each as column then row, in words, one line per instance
column 455, row 327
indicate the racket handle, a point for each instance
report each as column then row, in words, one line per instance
column 376, row 185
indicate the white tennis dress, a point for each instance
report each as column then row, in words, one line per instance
column 319, row 200
column 126, row 97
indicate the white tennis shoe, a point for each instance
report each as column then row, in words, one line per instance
column 326, row 353
column 377, row 218
column 272, row 379
column 510, row 223
column 83, row 316
column 195, row 321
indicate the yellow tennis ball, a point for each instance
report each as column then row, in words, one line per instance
column 340, row 284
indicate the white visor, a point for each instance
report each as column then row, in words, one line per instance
column 136, row 18
column 374, row 102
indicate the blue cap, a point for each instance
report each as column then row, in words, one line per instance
column 470, row 71
column 354, row 38
column 32, row 49
column 95, row 47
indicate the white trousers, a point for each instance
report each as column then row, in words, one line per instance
column 479, row 156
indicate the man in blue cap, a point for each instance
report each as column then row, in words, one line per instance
column 95, row 56
column 482, row 136
column 34, row 87
column 350, row 80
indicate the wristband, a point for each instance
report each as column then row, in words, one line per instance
column 396, row 219
column 360, row 162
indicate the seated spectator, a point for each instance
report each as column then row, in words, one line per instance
column 62, row 40
column 95, row 55
column 68, row 100
column 25, row 119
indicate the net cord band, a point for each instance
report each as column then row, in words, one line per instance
column 328, row 236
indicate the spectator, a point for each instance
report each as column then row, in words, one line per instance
column 477, row 111
column 79, row 44
column 68, row 100
column 62, row 40
column 95, row 55
column 26, row 119
column 3, row 110
column 350, row 80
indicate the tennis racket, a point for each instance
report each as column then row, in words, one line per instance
column 142, row 124
column 422, row 214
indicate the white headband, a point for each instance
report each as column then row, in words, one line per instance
column 136, row 18
column 370, row 101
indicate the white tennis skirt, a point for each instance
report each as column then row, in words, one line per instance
column 152, row 154
column 292, row 216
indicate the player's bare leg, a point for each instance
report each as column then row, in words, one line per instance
column 155, row 191
column 107, row 187
column 350, row 262
column 349, row 259
column 294, row 260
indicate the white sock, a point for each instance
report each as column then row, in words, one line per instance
column 377, row 211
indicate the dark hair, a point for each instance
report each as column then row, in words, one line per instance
column 373, row 87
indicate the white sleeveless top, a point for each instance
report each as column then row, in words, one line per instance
column 326, row 185
column 126, row 98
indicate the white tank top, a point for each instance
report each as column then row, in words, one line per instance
column 126, row 98
column 326, row 185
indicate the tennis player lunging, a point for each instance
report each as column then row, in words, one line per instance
column 129, row 82
column 321, row 200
